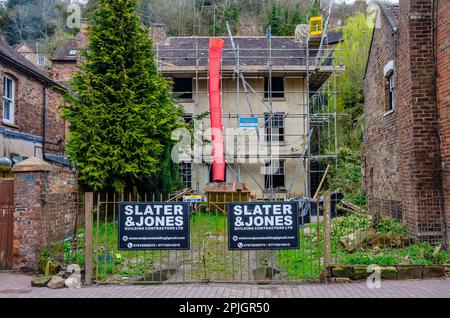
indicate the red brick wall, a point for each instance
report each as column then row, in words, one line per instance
column 420, row 168
column 61, row 203
column 63, row 71
column 442, row 16
column 29, row 233
column 46, row 208
column 29, row 103
column 56, row 132
column 402, row 149
column 381, row 147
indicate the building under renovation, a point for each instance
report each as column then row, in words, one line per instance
column 276, row 109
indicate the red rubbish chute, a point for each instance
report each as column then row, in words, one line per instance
column 215, row 56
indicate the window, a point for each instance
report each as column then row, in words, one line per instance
column 186, row 174
column 72, row 52
column 182, row 88
column 277, row 87
column 274, row 177
column 8, row 99
column 274, row 126
column 390, row 84
column 388, row 72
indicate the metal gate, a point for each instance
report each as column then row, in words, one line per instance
column 207, row 260
column 6, row 222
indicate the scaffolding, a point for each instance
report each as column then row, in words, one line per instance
column 311, row 136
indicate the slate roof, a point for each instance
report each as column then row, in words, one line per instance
column 62, row 52
column 390, row 12
column 253, row 51
column 9, row 55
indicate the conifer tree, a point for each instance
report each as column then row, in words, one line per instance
column 121, row 114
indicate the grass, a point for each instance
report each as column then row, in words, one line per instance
column 209, row 251
column 307, row 262
column 207, row 239
column 304, row 263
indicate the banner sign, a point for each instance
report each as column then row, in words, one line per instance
column 263, row 225
column 192, row 198
column 248, row 122
column 153, row 226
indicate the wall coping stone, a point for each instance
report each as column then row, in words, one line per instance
column 32, row 164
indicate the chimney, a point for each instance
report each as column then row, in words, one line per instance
column 82, row 39
column 82, row 36
column 158, row 32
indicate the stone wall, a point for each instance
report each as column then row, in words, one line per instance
column 46, row 209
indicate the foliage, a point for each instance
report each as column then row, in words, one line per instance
column 31, row 20
column 353, row 53
column 347, row 175
column 283, row 19
column 228, row 13
column 73, row 254
column 348, row 224
column 314, row 10
column 416, row 254
column 304, row 263
column 121, row 114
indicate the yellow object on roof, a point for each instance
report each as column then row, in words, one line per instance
column 315, row 26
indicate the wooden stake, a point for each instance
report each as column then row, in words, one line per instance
column 88, row 248
column 321, row 182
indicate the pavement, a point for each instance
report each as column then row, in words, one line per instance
column 16, row 285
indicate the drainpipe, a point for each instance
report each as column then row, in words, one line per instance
column 44, row 123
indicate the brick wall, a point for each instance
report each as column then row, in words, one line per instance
column 29, row 233
column 403, row 152
column 380, row 152
column 46, row 211
column 417, row 132
column 442, row 17
column 63, row 71
column 29, row 103
column 61, row 203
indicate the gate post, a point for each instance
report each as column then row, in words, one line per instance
column 327, row 232
column 88, row 248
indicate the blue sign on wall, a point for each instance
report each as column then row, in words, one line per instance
column 248, row 122
column 153, row 226
column 263, row 226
